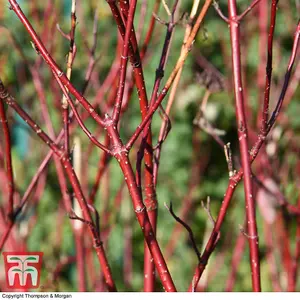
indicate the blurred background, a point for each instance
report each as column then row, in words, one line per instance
column 192, row 166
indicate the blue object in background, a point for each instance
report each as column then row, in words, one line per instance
column 67, row 7
column 20, row 134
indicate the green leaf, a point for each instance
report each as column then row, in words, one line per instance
column 16, row 258
column 17, row 270
column 30, row 270
column 31, row 258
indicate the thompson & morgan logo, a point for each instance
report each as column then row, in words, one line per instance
column 22, row 269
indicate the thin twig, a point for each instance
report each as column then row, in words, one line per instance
column 52, row 64
column 187, row 227
column 265, row 112
column 249, row 8
column 208, row 211
column 179, row 64
column 5, row 96
column 228, row 156
column 233, row 182
column 219, row 11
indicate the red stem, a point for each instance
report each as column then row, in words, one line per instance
column 78, row 118
column 243, row 143
column 180, row 62
column 249, row 8
column 29, row 191
column 103, row 161
column 121, row 154
column 145, row 148
column 150, row 191
column 265, row 112
column 8, row 160
column 43, row 164
column 124, row 60
column 59, row 168
column 73, row 180
column 234, row 180
column 52, row 64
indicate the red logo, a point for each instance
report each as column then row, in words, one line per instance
column 22, row 269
